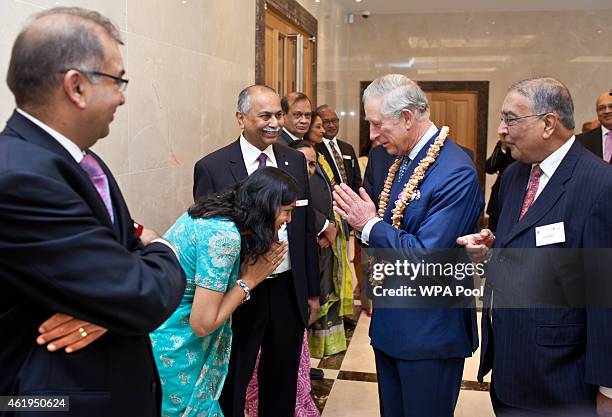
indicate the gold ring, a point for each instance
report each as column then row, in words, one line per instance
column 82, row 332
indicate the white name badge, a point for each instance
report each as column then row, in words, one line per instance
column 549, row 234
column 346, row 156
column 301, row 203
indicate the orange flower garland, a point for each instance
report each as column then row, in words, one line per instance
column 407, row 194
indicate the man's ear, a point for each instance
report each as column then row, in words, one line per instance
column 550, row 124
column 76, row 87
column 240, row 119
column 408, row 118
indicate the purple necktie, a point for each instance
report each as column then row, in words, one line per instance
column 608, row 147
column 262, row 160
column 99, row 180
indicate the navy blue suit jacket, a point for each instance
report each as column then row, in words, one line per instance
column 449, row 206
column 548, row 359
column 225, row 167
column 59, row 252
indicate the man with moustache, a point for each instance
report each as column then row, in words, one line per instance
column 67, row 241
column 599, row 139
column 297, row 109
column 546, row 317
column 283, row 305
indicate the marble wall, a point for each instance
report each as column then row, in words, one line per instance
column 497, row 47
column 186, row 61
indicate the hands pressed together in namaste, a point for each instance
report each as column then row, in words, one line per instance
column 355, row 209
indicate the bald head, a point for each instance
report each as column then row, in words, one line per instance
column 54, row 41
column 603, row 106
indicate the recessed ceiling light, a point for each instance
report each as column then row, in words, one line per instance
column 317, row 1
column 358, row 1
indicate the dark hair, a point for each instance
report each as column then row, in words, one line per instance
column 288, row 100
column 548, row 95
column 251, row 204
column 43, row 50
column 299, row 144
column 313, row 115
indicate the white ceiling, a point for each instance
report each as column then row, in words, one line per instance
column 470, row 6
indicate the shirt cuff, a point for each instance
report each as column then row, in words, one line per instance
column 365, row 232
column 324, row 227
column 606, row 391
column 165, row 242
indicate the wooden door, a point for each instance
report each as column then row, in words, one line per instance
column 459, row 111
column 282, row 57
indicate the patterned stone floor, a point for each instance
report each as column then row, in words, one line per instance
column 350, row 387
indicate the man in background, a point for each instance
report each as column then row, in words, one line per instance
column 297, row 110
column 599, row 140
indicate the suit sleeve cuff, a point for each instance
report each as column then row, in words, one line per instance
column 606, row 391
column 324, row 227
column 367, row 229
column 165, row 242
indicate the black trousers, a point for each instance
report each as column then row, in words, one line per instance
column 270, row 320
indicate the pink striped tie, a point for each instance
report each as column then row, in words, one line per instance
column 608, row 147
column 532, row 189
column 99, row 180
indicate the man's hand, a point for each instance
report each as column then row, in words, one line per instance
column 478, row 245
column 148, row 236
column 64, row 331
column 324, row 243
column 313, row 306
column 604, row 405
column 331, row 232
column 356, row 209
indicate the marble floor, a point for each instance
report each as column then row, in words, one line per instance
column 349, row 386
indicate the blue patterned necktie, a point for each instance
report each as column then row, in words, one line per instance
column 397, row 187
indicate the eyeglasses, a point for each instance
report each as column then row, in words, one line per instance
column 511, row 121
column 120, row 82
column 604, row 107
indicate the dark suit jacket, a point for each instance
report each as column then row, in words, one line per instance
column 449, row 204
column 225, row 167
column 350, row 163
column 592, row 141
column 61, row 253
column 551, row 359
column 285, row 139
column 321, row 194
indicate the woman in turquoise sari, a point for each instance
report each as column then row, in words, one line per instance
column 227, row 244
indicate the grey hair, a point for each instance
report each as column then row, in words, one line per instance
column 398, row 92
column 244, row 98
column 548, row 95
column 44, row 49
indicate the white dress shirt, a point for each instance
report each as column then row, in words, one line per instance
column 291, row 135
column 367, row 229
column 604, row 132
column 550, row 165
column 250, row 154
